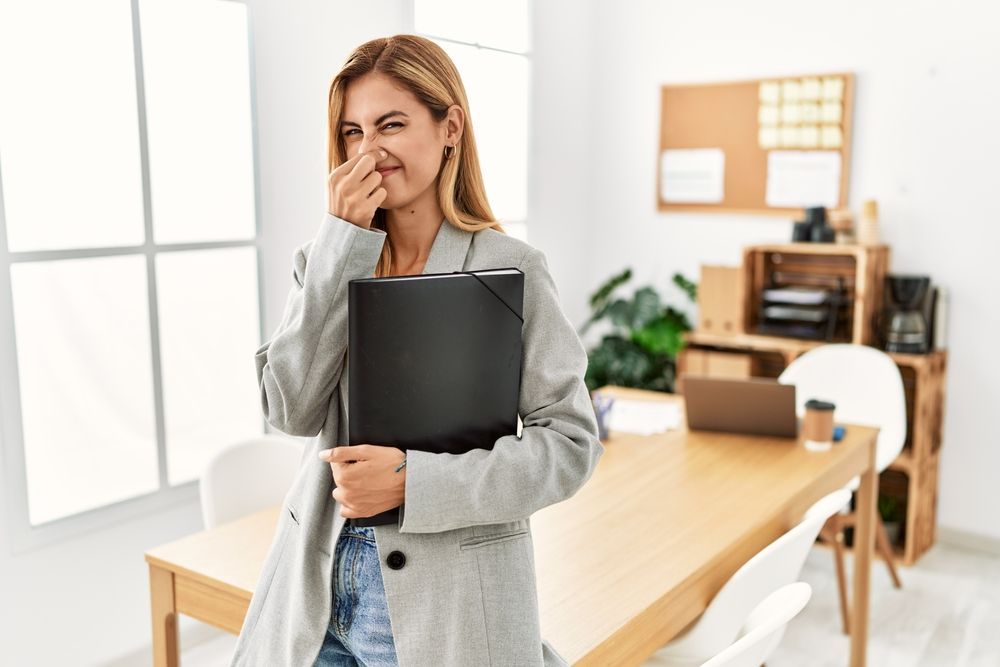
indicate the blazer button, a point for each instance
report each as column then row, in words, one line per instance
column 396, row 560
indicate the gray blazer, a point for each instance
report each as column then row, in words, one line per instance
column 466, row 594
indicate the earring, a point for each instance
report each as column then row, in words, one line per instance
column 449, row 154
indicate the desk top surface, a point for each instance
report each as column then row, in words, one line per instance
column 663, row 523
column 639, row 550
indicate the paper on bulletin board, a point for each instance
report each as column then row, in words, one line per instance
column 803, row 178
column 692, row 175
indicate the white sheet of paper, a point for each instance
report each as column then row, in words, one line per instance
column 831, row 136
column 803, row 178
column 767, row 137
column 692, row 175
column 833, row 88
column 811, row 88
column 809, row 136
column 768, row 114
column 769, row 92
column 643, row 417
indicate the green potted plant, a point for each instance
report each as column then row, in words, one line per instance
column 646, row 336
column 891, row 510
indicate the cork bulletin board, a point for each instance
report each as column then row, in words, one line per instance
column 769, row 146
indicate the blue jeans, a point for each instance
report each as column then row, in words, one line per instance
column 359, row 634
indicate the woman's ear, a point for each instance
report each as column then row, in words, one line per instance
column 454, row 125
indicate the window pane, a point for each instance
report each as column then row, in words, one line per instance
column 197, row 83
column 209, row 331
column 501, row 25
column 69, row 134
column 497, row 86
column 83, row 354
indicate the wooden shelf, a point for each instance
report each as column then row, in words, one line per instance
column 828, row 249
column 903, row 462
column 854, row 272
column 794, row 346
column 753, row 342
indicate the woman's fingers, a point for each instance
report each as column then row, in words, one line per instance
column 352, row 188
column 370, row 183
column 364, row 166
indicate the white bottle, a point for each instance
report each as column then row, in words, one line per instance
column 868, row 224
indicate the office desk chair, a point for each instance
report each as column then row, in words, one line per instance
column 764, row 628
column 866, row 387
column 774, row 566
column 248, row 476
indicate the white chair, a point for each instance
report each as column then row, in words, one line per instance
column 866, row 387
column 764, row 628
column 774, row 566
column 248, row 476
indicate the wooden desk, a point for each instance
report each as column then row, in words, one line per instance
column 622, row 566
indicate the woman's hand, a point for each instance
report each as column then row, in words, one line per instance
column 366, row 477
column 354, row 192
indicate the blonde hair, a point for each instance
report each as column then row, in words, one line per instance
column 422, row 67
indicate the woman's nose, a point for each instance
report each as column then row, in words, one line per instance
column 367, row 143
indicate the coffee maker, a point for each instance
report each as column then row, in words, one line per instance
column 906, row 321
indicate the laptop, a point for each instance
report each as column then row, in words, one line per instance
column 754, row 406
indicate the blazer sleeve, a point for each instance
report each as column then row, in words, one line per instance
column 298, row 368
column 556, row 452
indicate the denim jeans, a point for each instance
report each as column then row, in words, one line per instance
column 359, row 634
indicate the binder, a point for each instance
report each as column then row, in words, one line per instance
column 434, row 362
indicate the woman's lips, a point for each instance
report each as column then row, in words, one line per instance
column 386, row 172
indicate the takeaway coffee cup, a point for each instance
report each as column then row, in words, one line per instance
column 817, row 426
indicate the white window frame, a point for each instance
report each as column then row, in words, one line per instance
column 25, row 537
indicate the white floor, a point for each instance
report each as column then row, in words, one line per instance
column 946, row 614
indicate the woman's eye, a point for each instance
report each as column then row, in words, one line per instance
column 384, row 127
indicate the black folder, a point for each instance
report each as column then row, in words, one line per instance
column 434, row 362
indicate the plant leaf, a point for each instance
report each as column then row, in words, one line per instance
column 689, row 287
column 604, row 291
column 645, row 307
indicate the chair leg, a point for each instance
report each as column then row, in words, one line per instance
column 882, row 543
column 838, row 556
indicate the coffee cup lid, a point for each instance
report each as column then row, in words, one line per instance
column 816, row 404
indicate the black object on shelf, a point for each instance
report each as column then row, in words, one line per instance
column 801, row 312
column 814, row 228
column 905, row 323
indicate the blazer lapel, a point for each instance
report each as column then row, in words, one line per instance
column 448, row 252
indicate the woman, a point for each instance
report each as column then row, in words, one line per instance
column 453, row 582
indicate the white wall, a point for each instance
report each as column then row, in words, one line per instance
column 560, row 149
column 86, row 601
column 926, row 141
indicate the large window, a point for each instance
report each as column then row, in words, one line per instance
column 491, row 48
column 129, row 301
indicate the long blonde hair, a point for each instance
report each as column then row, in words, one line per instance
column 422, row 67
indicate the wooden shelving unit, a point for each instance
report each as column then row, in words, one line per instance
column 913, row 477
column 859, row 269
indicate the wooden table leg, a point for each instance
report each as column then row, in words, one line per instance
column 161, row 595
column 864, row 544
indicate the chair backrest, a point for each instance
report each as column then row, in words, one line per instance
column 774, row 566
column 865, row 385
column 764, row 628
column 248, row 476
